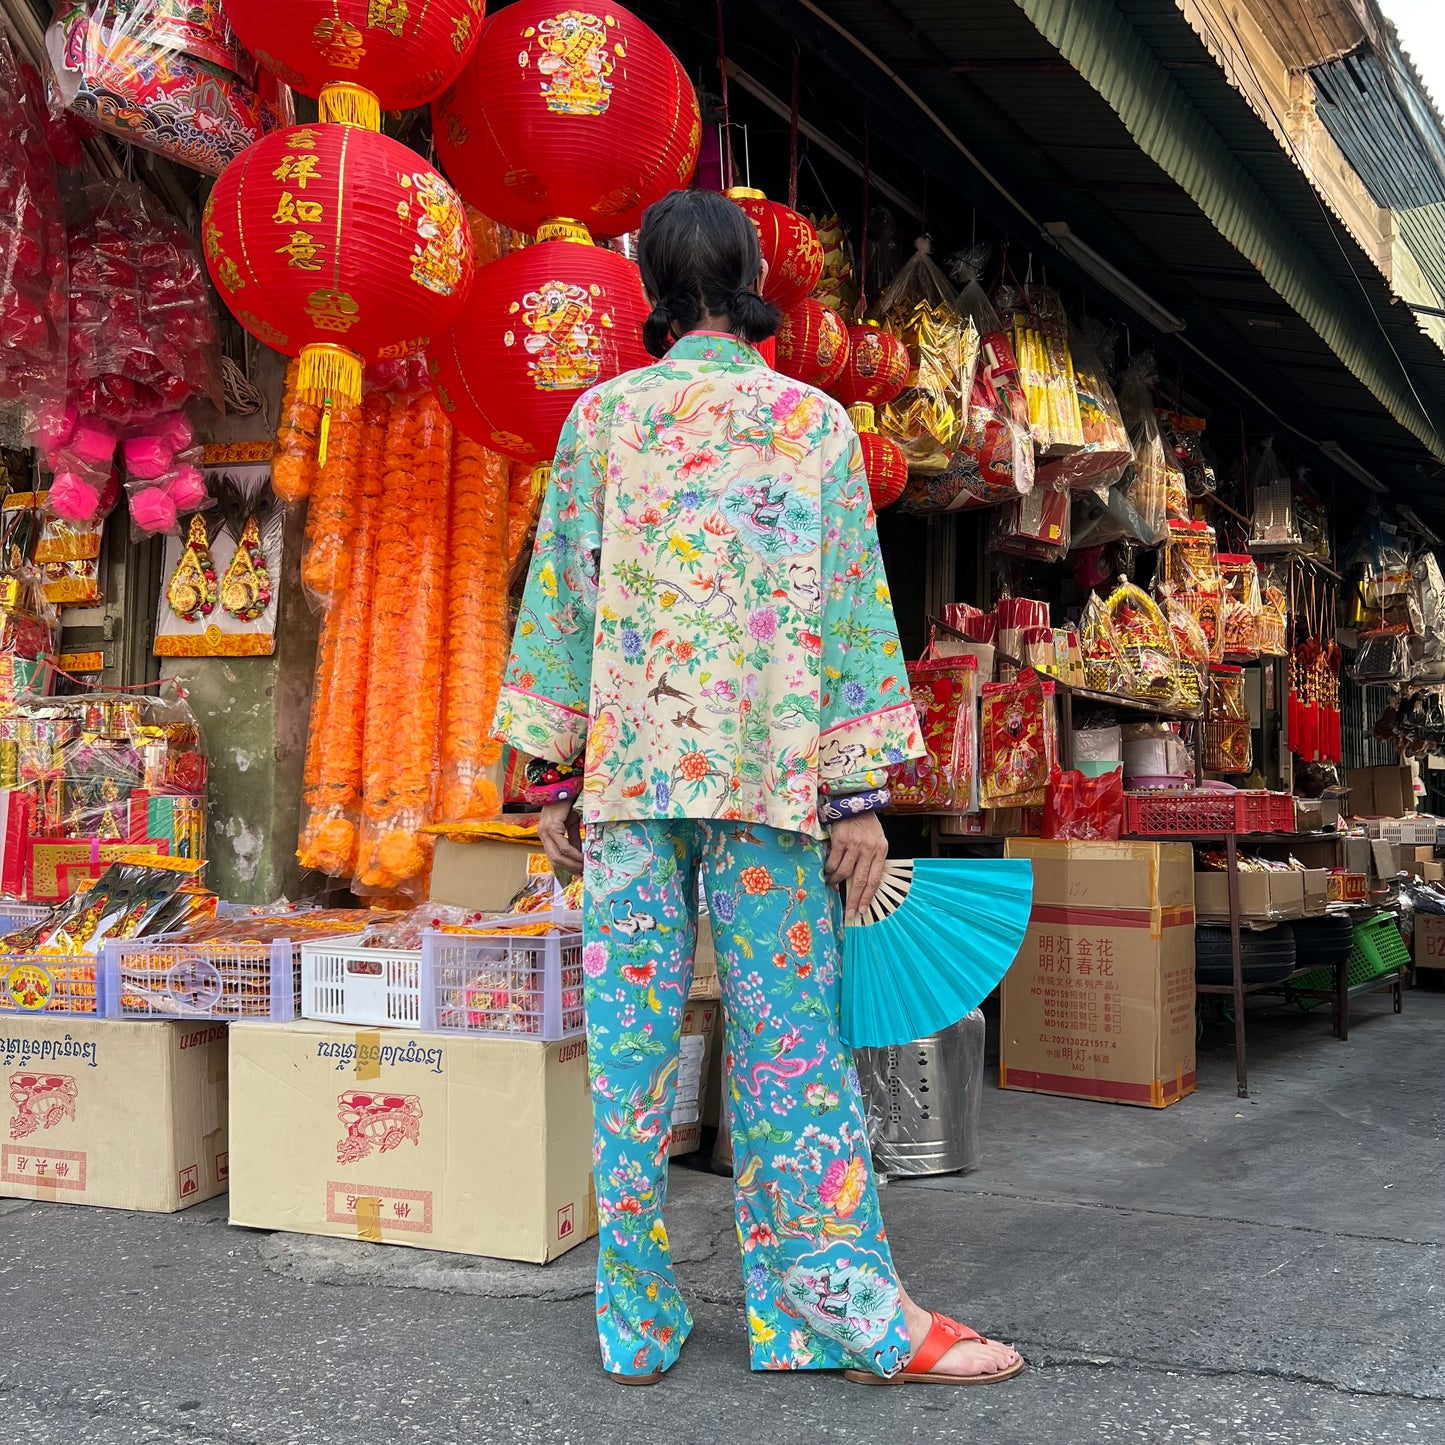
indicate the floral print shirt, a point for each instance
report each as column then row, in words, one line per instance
column 707, row 612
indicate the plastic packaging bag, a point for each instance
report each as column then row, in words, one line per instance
column 929, row 417
column 1084, row 809
column 1036, row 525
column 33, row 267
column 1147, row 485
column 1382, row 655
column 945, row 694
column 1242, row 604
column 29, row 633
column 1046, row 366
column 1274, row 522
column 169, row 78
column 1427, row 653
column 1017, row 742
column 143, row 331
column 1105, row 454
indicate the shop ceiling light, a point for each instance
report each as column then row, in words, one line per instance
column 1346, row 463
column 1111, row 278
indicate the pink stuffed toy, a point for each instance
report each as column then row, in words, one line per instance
column 187, row 488
column 73, row 499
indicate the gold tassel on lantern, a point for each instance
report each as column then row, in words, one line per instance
column 342, row 103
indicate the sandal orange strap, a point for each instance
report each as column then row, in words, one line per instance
column 942, row 1336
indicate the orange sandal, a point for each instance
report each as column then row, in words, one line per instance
column 942, row 1336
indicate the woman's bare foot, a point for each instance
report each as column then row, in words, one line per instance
column 968, row 1357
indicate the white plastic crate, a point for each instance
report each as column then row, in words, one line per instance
column 151, row 978
column 36, row 983
column 344, row 984
column 503, row 985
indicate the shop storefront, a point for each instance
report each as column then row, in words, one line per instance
column 282, row 392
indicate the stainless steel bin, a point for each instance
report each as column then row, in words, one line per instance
column 922, row 1100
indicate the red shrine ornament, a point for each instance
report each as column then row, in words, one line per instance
column 338, row 245
column 541, row 325
column 875, row 372
column 568, row 113
column 402, row 54
column 791, row 247
column 812, row 344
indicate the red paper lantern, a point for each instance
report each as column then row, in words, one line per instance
column 404, row 54
column 876, row 369
column 338, row 245
column 579, row 114
column 791, row 247
column 813, row 344
column 541, row 326
column 886, row 465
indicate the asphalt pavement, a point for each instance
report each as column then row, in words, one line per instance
column 1225, row 1270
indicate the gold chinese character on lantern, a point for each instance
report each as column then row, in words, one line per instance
column 303, row 251
column 291, row 212
column 390, row 15
column 461, row 33
column 298, row 170
column 333, row 310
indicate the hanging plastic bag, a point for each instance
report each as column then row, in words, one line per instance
column 1083, row 809
column 929, row 417
column 1046, row 366
column 1105, row 454
column 168, row 78
column 1148, row 482
column 144, row 337
column 1036, row 525
column 945, row 694
column 1018, row 742
column 1427, row 653
column 1274, row 522
column 33, row 267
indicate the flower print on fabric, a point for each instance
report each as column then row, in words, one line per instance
column 820, row 1288
column 706, row 589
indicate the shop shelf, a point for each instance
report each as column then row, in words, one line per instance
column 1377, row 951
column 35, row 983
column 1205, row 811
column 495, row 985
column 150, row 978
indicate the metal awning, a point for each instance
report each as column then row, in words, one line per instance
column 1112, row 116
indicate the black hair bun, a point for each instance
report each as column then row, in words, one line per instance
column 753, row 319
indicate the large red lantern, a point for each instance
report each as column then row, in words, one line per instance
column 876, row 369
column 790, row 245
column 579, row 114
column 875, row 372
column 883, row 460
column 812, row 344
column 338, row 245
column 541, row 325
column 402, row 54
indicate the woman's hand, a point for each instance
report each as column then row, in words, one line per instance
column 560, row 834
column 856, row 855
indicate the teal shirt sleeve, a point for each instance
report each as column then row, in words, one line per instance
column 868, row 720
column 545, row 697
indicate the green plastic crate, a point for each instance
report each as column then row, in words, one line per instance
column 1377, row 951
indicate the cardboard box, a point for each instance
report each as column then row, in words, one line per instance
column 1099, row 1003
column 1385, row 792
column 485, row 875
column 1434, row 872
column 1317, row 891
column 1263, row 897
column 705, row 981
column 437, row 1141
column 125, row 1115
column 1430, row 940
column 699, row 1029
column 1346, row 887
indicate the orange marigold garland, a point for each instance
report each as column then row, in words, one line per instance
column 298, row 438
column 408, row 632
column 333, row 774
column 476, row 630
column 331, row 516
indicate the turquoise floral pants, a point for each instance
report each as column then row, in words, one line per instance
column 821, row 1292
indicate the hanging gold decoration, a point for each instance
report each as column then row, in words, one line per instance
column 191, row 591
column 246, row 587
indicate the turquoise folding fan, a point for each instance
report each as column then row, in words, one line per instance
column 934, row 943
